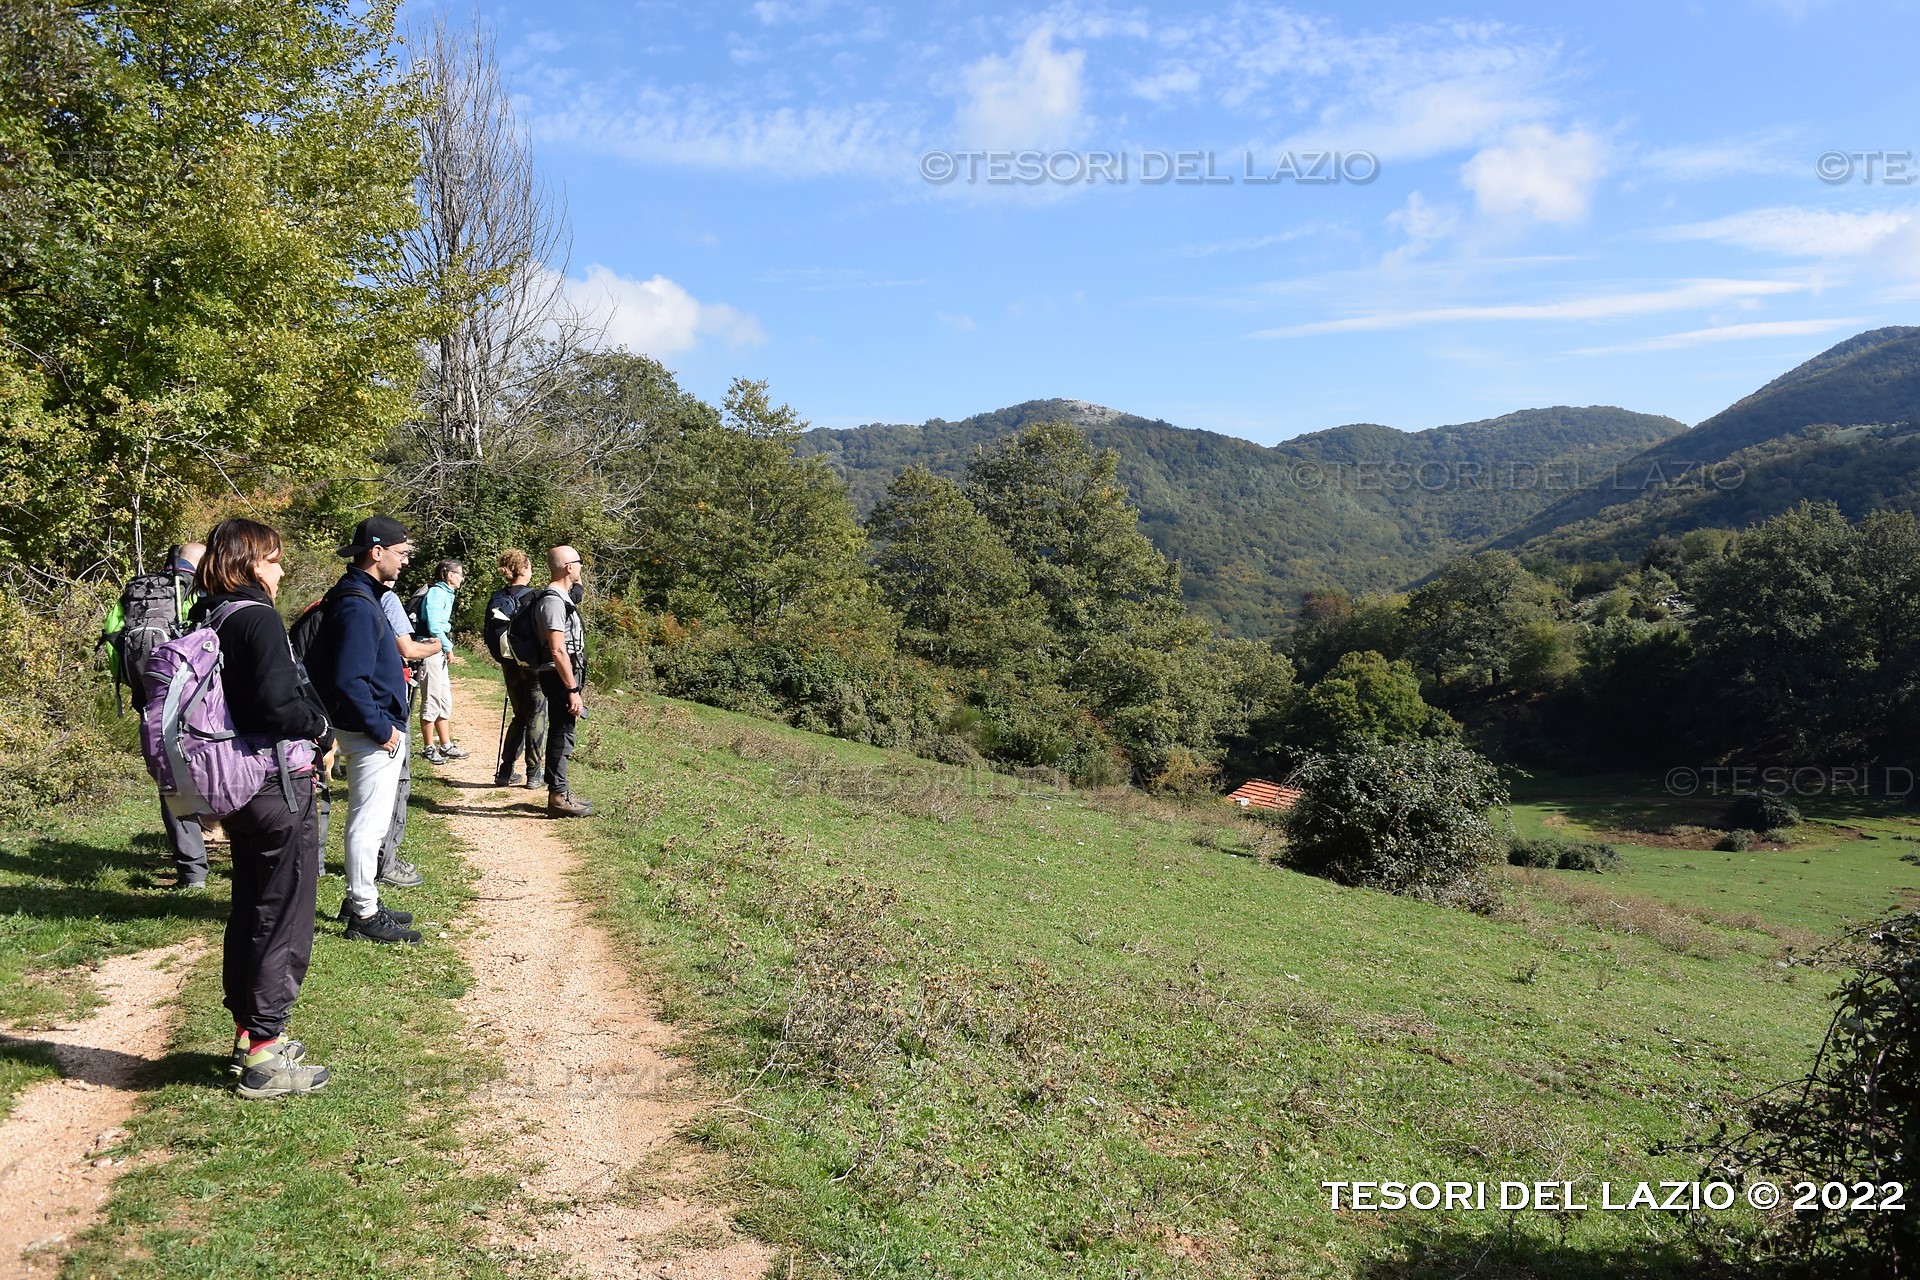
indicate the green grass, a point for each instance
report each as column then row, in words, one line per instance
column 1843, row 864
column 1056, row 1034
column 367, row 1178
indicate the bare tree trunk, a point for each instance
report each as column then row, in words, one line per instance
column 491, row 253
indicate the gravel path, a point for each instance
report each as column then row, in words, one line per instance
column 56, row 1146
column 593, row 1102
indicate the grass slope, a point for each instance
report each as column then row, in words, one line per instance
column 980, row 1033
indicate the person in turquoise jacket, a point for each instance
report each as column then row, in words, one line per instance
column 436, row 703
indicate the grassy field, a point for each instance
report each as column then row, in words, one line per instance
column 979, row 1029
column 974, row 1027
column 364, row 1179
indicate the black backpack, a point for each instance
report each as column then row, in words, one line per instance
column 306, row 629
column 502, row 608
column 525, row 643
column 149, row 617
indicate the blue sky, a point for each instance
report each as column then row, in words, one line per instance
column 1571, row 204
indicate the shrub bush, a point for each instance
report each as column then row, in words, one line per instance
column 1760, row 813
column 1853, row 1116
column 1554, row 853
column 1736, row 841
column 1408, row 817
column 59, row 744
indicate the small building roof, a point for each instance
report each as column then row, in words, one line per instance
column 1258, row 793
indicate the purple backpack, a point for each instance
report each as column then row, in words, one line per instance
column 204, row 767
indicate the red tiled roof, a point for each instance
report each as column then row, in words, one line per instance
column 1257, row 793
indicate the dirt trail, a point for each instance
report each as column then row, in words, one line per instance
column 593, row 1098
column 56, row 1166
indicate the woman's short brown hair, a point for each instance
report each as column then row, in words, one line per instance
column 233, row 548
column 514, row 562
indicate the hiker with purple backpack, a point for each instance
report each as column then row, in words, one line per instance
column 278, row 731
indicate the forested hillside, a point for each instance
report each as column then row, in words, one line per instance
column 1360, row 507
column 1839, row 428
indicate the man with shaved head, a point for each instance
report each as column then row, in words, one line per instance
column 561, row 667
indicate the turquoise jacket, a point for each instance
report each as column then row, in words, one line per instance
column 437, row 612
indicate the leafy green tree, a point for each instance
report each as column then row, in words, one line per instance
column 1333, row 623
column 1364, row 696
column 1779, row 636
column 961, row 594
column 1056, row 503
column 201, row 203
column 1408, row 817
column 734, row 529
column 1472, row 617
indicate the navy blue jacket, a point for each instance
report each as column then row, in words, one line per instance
column 354, row 662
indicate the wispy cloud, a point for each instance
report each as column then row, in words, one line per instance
column 1797, row 232
column 656, row 316
column 1690, row 295
column 1725, row 333
column 1774, row 153
column 686, row 129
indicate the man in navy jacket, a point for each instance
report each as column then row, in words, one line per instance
column 356, row 667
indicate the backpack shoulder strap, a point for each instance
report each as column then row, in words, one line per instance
column 228, row 609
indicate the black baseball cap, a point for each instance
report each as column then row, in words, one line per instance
column 375, row 531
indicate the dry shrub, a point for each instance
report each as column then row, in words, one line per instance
column 1609, row 911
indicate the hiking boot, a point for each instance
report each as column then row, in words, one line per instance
column 454, row 751
column 401, row 875
column 295, row 1051
column 271, row 1072
column 432, row 755
column 562, row 804
column 190, row 888
column 537, row 782
column 508, row 780
column 346, row 913
column 382, row 927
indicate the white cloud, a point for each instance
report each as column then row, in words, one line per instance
column 1767, row 154
column 1536, row 173
column 1034, row 98
column 1797, row 232
column 1423, row 224
column 1403, row 92
column 1691, row 295
column 1725, row 333
column 1177, row 81
column 657, row 127
column 958, row 321
column 656, row 317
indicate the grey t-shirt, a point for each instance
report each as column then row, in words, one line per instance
column 396, row 614
column 552, row 611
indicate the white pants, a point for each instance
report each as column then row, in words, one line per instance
column 373, row 780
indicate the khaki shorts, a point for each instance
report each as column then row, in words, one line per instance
column 437, row 698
